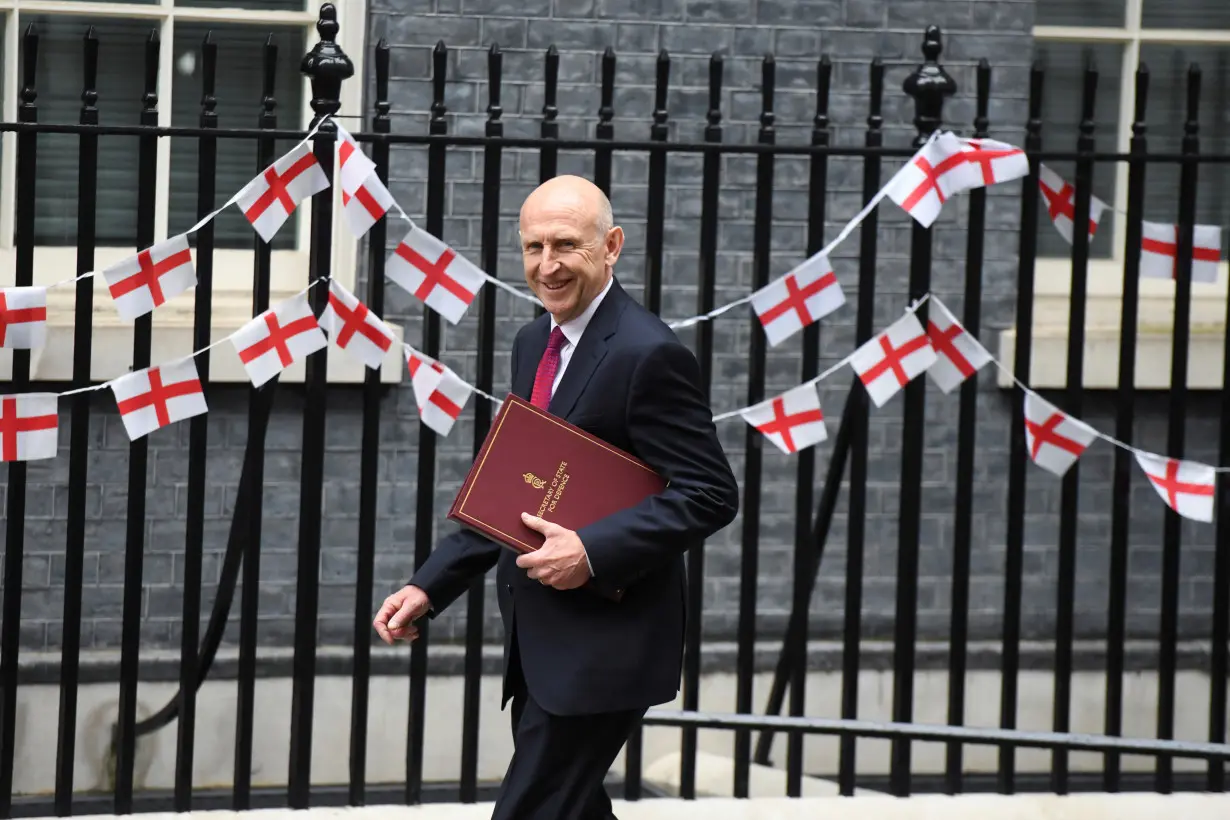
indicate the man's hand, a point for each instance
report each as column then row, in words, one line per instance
column 560, row 562
column 395, row 620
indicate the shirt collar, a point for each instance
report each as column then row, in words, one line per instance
column 574, row 327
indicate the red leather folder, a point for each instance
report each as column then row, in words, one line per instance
column 534, row 462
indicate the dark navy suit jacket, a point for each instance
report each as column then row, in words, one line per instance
column 632, row 383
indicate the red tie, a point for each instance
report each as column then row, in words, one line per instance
column 547, row 367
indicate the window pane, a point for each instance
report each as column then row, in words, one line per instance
column 1198, row 14
column 1082, row 13
column 1166, row 115
column 1061, row 116
column 238, row 91
column 59, row 80
column 279, row 5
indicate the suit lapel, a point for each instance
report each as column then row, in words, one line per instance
column 531, row 353
column 589, row 353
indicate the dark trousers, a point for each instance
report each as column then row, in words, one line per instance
column 559, row 762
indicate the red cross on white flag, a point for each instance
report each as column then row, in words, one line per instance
column 939, row 170
column 804, row 295
column 995, row 161
column 439, row 393
column 272, row 196
column 370, row 201
column 1159, row 252
column 958, row 354
column 1060, row 200
column 889, row 361
column 279, row 337
column 23, row 317
column 1187, row 487
column 29, row 426
column 354, row 167
column 793, row 421
column 157, row 396
column 140, row 283
column 354, row 328
column 446, row 281
column 1054, row 439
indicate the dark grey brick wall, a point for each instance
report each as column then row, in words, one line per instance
column 852, row 32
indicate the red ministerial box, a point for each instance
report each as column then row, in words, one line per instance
column 532, row 461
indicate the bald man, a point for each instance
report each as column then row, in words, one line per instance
column 581, row 670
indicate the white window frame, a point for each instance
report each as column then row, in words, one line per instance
column 232, row 279
column 1052, row 299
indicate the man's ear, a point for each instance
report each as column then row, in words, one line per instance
column 614, row 244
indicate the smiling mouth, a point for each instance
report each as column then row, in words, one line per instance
column 553, row 288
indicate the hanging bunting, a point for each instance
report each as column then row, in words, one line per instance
column 996, row 162
column 23, row 317
column 939, row 170
column 958, row 354
column 803, row 296
column 353, row 166
column 270, row 198
column 435, row 274
column 888, row 362
column 1187, row 487
column 354, row 328
column 142, row 282
column 277, row 338
column 439, row 392
column 793, row 421
column 1060, row 201
column 1159, row 252
column 157, row 396
column 29, row 426
column 1054, row 439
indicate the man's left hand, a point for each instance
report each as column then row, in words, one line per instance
column 560, row 562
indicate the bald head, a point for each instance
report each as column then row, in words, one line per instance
column 569, row 244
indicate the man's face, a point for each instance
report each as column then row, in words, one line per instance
column 567, row 257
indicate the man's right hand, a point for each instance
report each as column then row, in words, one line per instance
column 395, row 620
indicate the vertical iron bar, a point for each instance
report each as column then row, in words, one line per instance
column 437, row 155
column 197, row 440
column 753, row 440
column 138, row 459
column 1219, row 660
column 79, row 434
column 548, row 155
column 1125, row 408
column 606, row 128
column 492, row 164
column 1068, row 501
column 369, row 464
column 327, row 66
column 260, row 404
column 1172, row 523
column 928, row 85
column 1015, row 539
column 15, row 512
column 818, row 185
column 705, row 298
column 962, row 538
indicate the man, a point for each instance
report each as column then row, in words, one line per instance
column 582, row 670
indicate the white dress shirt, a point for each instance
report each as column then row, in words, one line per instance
column 573, row 329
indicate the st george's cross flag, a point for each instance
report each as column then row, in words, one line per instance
column 996, row 161
column 793, row 421
column 370, row 201
column 888, row 362
column 1159, row 251
column 1054, row 439
column 140, row 283
column 354, row 166
column 29, row 426
column 804, row 295
column 279, row 337
column 440, row 277
column 938, row 171
column 958, row 354
column 1187, row 487
column 23, row 317
column 354, row 328
column 157, row 396
column 272, row 196
column 1059, row 199
column 439, row 392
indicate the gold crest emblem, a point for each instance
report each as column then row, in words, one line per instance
column 533, row 480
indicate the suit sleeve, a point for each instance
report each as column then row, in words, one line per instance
column 671, row 428
column 458, row 557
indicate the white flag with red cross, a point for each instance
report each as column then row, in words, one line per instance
column 886, row 363
column 353, row 166
column 370, row 201
column 157, row 396
column 1187, row 487
column 439, row 392
column 29, row 426
column 444, row 280
column 278, row 338
column 939, row 170
column 1054, row 439
column 793, row 421
column 140, row 283
column 354, row 328
column 995, row 161
column 271, row 197
column 958, row 354
column 23, row 317
column 804, row 295
column 1159, row 251
column 1059, row 197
